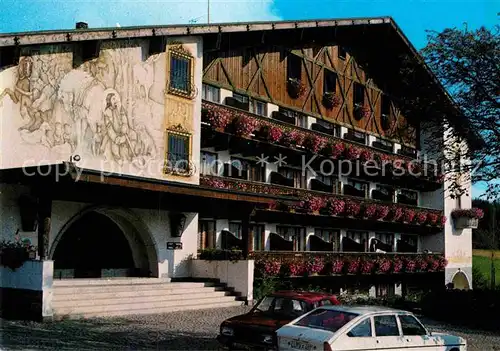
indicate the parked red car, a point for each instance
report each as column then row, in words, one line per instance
column 257, row 328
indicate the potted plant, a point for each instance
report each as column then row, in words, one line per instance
column 14, row 254
column 361, row 112
column 468, row 218
column 331, row 100
column 295, row 88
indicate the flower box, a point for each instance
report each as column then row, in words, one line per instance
column 466, row 222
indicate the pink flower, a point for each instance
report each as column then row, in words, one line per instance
column 353, row 266
column 218, row 117
column 336, row 149
column 421, row 264
column 244, row 126
column 367, row 266
column 313, row 203
column 365, row 155
column 383, row 265
column 337, row 266
column 421, row 217
column 443, row 262
column 397, row 266
column 352, row 208
column 442, row 220
column 468, row 213
column 395, row 213
column 432, row 218
column 352, row 153
column 408, row 215
column 314, row 143
column 432, row 264
column 369, row 211
column 335, row 207
column 316, row 265
column 271, row 267
column 296, row 268
column 381, row 212
column 410, row 265
column 297, row 137
column 215, row 183
column 275, row 134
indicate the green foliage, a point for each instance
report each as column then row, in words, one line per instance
column 220, row 255
column 479, row 280
column 266, row 286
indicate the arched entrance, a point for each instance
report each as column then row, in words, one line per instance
column 460, row 281
column 102, row 242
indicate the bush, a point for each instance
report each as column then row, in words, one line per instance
column 220, row 255
column 266, row 286
column 479, row 280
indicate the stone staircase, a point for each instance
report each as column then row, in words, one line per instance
column 87, row 298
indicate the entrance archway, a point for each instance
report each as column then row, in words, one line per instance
column 104, row 242
column 460, row 281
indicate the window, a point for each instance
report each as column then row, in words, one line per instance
column 411, row 326
column 258, row 237
column 299, row 180
column 180, row 72
column 386, row 144
column 324, row 319
column 341, row 52
column 359, row 95
column 210, row 93
column 300, row 119
column 249, row 170
column 357, row 184
column 386, row 326
column 295, row 234
column 329, row 81
column 209, row 163
column 294, row 67
column 258, row 107
column 241, row 98
column 361, row 330
column 236, row 229
column 386, row 238
column 334, row 127
column 359, row 237
column 177, row 152
column 289, row 307
column 385, row 290
column 328, row 180
column 206, row 234
column 328, row 235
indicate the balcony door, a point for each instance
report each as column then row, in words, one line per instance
column 295, row 234
column 299, row 180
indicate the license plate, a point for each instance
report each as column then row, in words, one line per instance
column 300, row 345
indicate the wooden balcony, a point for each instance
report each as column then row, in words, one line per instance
column 262, row 142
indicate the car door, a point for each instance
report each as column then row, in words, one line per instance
column 415, row 336
column 387, row 332
column 358, row 337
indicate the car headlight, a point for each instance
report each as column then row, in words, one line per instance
column 268, row 339
column 227, row 331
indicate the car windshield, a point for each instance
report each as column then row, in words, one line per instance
column 283, row 306
column 325, row 319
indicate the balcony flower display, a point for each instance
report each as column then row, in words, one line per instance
column 312, row 204
column 381, row 158
column 408, row 215
column 215, row 183
column 397, row 265
column 442, row 220
column 369, row 210
column 218, row 117
column 421, row 217
column 352, row 266
column 421, row 264
column 432, row 264
column 296, row 268
column 245, row 126
column 352, row 152
column 314, row 143
column 295, row 88
column 383, row 265
column 467, row 218
column 365, row 155
column 410, row 265
column 331, row 100
column 269, row 267
column 275, row 134
column 337, row 266
column 432, row 218
column 361, row 112
column 292, row 138
column 367, row 266
column 351, row 208
column 334, row 149
column 314, row 266
column 395, row 213
column 443, row 262
column 335, row 207
column 381, row 212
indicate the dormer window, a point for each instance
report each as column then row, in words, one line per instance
column 385, row 113
column 210, row 93
column 341, row 52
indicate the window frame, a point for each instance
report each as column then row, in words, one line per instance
column 372, row 329
column 206, row 88
column 326, row 86
column 215, row 170
column 294, row 63
column 178, row 132
column 398, row 327
column 178, row 52
column 417, row 322
column 252, row 106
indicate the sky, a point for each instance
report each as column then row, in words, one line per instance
column 413, row 17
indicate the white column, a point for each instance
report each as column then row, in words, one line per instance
column 309, row 232
column 371, row 139
column 397, row 147
column 310, row 121
column 272, row 108
column 343, row 130
column 223, row 94
column 268, row 229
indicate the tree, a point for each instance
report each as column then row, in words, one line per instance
column 467, row 64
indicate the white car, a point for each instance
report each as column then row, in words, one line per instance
column 364, row 328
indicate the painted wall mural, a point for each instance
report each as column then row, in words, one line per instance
column 110, row 110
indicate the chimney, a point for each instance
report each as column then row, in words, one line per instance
column 82, row 25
